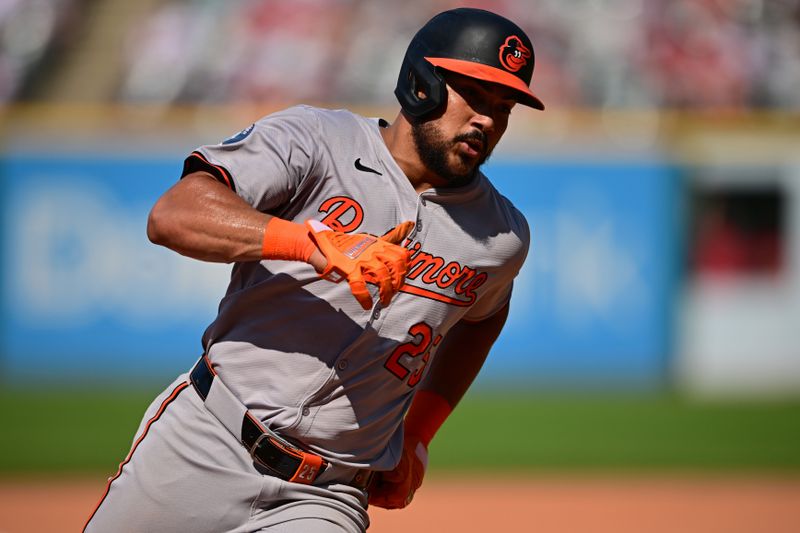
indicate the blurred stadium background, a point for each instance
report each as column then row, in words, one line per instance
column 655, row 326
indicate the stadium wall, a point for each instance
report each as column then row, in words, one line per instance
column 607, row 298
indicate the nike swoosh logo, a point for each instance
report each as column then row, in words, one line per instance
column 364, row 168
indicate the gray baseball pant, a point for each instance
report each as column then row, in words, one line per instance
column 186, row 472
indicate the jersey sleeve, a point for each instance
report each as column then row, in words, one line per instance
column 490, row 303
column 266, row 162
column 499, row 293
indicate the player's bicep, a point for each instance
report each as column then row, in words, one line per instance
column 176, row 212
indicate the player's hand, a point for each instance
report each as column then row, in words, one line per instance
column 397, row 234
column 395, row 489
column 362, row 258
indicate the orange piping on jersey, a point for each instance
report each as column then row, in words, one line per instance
column 224, row 173
column 425, row 293
column 161, row 409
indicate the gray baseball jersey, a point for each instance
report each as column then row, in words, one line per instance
column 300, row 351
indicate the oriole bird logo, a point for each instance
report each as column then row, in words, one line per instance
column 513, row 54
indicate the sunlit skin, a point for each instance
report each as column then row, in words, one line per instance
column 449, row 147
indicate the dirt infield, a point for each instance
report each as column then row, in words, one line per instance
column 553, row 505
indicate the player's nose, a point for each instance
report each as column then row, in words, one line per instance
column 483, row 121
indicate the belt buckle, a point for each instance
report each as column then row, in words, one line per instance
column 257, row 458
column 306, row 472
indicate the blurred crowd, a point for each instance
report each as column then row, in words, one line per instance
column 30, row 33
column 720, row 54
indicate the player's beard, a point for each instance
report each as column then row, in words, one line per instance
column 434, row 150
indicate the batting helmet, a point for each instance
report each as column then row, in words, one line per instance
column 473, row 42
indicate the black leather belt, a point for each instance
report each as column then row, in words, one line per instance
column 280, row 457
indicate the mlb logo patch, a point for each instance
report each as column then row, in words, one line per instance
column 239, row 136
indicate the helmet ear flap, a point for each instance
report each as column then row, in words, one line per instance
column 417, row 75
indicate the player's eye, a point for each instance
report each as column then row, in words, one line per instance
column 505, row 108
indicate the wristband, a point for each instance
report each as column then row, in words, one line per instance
column 426, row 415
column 287, row 241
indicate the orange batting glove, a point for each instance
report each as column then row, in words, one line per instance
column 395, row 489
column 362, row 258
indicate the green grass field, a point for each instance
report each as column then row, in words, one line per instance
column 586, row 432
column 90, row 432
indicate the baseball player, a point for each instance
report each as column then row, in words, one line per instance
column 372, row 271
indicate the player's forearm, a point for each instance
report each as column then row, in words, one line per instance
column 201, row 218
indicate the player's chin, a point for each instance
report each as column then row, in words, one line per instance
column 461, row 174
column 466, row 165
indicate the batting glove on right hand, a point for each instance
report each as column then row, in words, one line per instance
column 362, row 258
column 395, row 489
